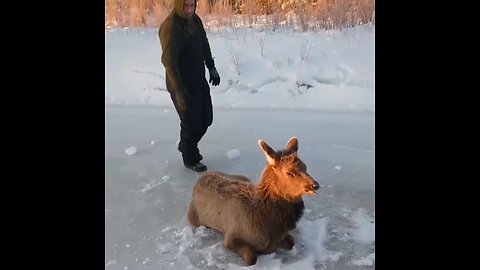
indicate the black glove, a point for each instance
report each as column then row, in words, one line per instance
column 214, row 77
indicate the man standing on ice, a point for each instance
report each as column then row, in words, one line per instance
column 185, row 53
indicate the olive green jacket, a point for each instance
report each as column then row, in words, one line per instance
column 185, row 53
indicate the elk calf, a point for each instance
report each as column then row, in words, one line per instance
column 255, row 219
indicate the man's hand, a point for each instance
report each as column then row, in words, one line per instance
column 214, row 77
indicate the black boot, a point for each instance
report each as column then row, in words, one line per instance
column 197, row 167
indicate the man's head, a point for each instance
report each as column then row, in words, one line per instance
column 185, row 8
column 189, row 8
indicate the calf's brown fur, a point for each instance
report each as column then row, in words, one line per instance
column 255, row 219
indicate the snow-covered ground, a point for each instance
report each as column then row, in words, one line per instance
column 331, row 70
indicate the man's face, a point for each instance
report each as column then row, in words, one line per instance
column 189, row 7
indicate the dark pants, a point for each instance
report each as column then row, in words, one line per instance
column 193, row 125
column 189, row 138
